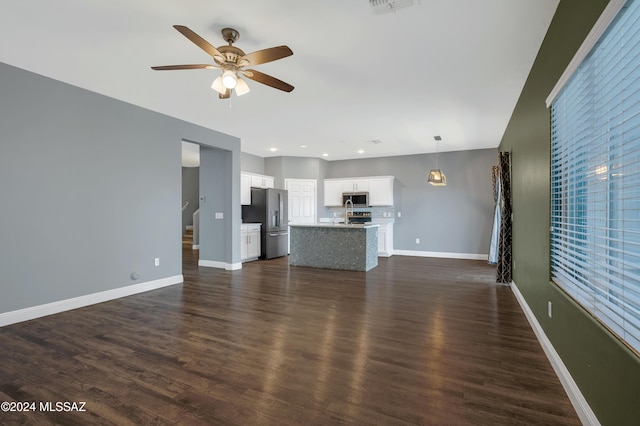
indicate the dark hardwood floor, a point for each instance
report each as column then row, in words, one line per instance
column 416, row 341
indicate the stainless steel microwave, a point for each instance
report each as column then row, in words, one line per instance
column 359, row 199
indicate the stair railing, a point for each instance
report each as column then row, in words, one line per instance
column 196, row 225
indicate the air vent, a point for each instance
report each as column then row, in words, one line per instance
column 375, row 141
column 381, row 7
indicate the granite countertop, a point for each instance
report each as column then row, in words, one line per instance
column 337, row 225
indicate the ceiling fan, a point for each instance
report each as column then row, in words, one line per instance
column 233, row 61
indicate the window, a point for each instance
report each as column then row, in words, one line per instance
column 595, row 179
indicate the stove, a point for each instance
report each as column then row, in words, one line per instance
column 359, row 217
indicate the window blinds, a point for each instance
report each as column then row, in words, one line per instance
column 595, row 179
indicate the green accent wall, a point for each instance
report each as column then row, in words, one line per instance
column 607, row 373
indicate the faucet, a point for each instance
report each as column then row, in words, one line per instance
column 346, row 210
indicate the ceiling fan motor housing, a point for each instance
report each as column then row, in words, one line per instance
column 231, row 53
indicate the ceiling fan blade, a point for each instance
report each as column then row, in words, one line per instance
column 268, row 80
column 226, row 94
column 264, row 56
column 201, row 43
column 184, row 67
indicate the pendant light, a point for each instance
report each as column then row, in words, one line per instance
column 436, row 177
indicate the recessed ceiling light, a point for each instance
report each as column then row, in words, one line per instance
column 360, row 151
column 273, row 149
column 325, row 155
column 303, row 146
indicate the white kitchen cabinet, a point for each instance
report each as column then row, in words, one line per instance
column 253, row 180
column 355, row 185
column 333, row 192
column 259, row 181
column 385, row 240
column 245, row 189
column 381, row 191
column 250, row 248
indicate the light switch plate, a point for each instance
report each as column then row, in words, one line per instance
column 219, row 215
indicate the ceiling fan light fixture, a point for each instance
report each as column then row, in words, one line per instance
column 217, row 85
column 229, row 79
column 241, row 87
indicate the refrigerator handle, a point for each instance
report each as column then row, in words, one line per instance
column 280, row 201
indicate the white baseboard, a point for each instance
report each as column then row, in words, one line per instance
column 445, row 255
column 220, row 265
column 580, row 404
column 33, row 312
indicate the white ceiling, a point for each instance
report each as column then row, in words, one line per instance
column 453, row 68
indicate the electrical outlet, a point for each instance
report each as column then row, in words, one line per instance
column 399, row 214
column 417, row 240
column 549, row 309
column 157, row 261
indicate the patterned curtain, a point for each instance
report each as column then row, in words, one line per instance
column 503, row 273
column 495, row 232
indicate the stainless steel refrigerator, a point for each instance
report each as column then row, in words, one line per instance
column 269, row 207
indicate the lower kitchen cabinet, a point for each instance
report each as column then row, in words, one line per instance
column 385, row 240
column 250, row 248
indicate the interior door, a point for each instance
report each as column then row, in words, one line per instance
column 302, row 200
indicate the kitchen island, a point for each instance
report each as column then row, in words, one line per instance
column 334, row 246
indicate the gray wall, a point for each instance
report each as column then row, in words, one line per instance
column 457, row 218
column 215, row 166
column 190, row 193
column 299, row 168
column 252, row 163
column 91, row 190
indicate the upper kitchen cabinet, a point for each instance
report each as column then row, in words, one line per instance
column 253, row 180
column 260, row 181
column 380, row 189
column 245, row 189
column 355, row 185
column 333, row 192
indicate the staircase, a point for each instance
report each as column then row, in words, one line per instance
column 187, row 239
